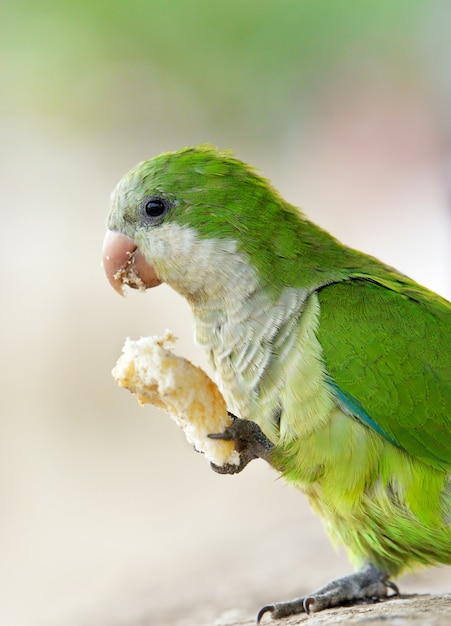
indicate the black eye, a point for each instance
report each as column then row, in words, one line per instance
column 154, row 208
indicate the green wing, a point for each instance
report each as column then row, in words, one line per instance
column 387, row 349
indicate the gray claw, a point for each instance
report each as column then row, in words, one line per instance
column 250, row 442
column 308, row 603
column 269, row 608
column 393, row 587
column 367, row 585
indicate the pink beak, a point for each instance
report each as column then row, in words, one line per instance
column 124, row 264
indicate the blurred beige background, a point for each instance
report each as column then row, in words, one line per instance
column 107, row 517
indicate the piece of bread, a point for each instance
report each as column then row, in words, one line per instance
column 155, row 375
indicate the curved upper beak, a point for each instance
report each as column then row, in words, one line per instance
column 124, row 264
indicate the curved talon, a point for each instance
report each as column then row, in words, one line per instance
column 393, row 587
column 308, row 603
column 268, row 608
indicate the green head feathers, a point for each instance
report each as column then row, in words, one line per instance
column 208, row 189
column 221, row 197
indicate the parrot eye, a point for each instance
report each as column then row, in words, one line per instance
column 153, row 208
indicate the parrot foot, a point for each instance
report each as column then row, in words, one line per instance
column 367, row 585
column 250, row 442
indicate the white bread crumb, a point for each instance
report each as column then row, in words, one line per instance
column 155, row 375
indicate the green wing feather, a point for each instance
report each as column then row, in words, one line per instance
column 387, row 349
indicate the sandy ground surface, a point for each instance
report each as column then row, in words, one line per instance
column 107, row 517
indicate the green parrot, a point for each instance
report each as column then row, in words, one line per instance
column 336, row 367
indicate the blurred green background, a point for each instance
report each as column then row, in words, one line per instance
column 106, row 515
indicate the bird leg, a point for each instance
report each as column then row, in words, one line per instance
column 250, row 442
column 367, row 585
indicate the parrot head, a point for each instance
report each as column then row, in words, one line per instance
column 198, row 219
